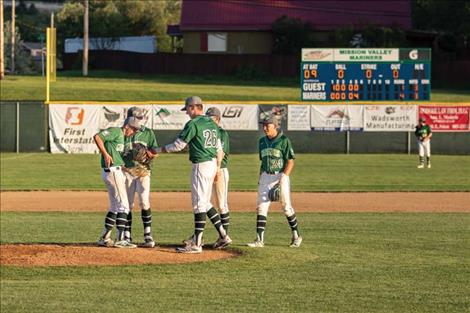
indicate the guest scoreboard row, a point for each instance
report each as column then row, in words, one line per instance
column 375, row 74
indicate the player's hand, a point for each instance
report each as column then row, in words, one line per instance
column 151, row 154
column 108, row 160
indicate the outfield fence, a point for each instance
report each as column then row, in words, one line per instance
column 30, row 127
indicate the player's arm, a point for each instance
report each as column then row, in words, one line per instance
column 289, row 167
column 108, row 160
column 175, row 146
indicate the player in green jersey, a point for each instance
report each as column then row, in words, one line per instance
column 220, row 187
column 110, row 142
column 205, row 153
column 423, row 134
column 277, row 161
column 139, row 184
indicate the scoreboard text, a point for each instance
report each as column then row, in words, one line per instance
column 374, row 74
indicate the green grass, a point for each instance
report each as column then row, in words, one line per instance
column 119, row 86
column 312, row 172
column 348, row 263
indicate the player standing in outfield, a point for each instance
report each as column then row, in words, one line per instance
column 277, row 161
column 205, row 152
column 220, row 186
column 139, row 184
column 110, row 142
column 423, row 134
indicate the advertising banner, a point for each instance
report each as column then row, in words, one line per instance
column 238, row 116
column 169, row 117
column 298, row 117
column 390, row 118
column 446, row 118
column 113, row 115
column 337, row 117
column 277, row 110
column 72, row 128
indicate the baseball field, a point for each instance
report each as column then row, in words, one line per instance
column 379, row 236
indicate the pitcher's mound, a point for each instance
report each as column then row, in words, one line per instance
column 87, row 254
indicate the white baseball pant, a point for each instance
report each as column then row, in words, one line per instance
column 115, row 182
column 220, row 192
column 266, row 182
column 424, row 148
column 202, row 178
column 141, row 186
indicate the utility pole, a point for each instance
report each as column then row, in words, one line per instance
column 85, row 40
column 13, row 13
column 2, row 54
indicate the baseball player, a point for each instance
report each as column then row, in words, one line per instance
column 220, row 186
column 139, row 184
column 423, row 134
column 201, row 134
column 277, row 161
column 110, row 142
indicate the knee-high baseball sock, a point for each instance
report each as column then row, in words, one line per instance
column 121, row 221
column 109, row 222
column 215, row 219
column 428, row 159
column 421, row 160
column 260, row 227
column 128, row 230
column 293, row 225
column 147, row 221
column 199, row 224
column 225, row 218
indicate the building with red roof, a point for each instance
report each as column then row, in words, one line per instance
column 244, row 26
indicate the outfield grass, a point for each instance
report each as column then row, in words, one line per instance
column 312, row 172
column 119, row 86
column 356, row 262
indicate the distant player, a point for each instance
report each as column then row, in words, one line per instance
column 423, row 134
column 201, row 134
column 110, row 142
column 220, row 187
column 277, row 161
column 139, row 184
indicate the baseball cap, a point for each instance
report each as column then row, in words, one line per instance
column 271, row 119
column 422, row 119
column 133, row 122
column 190, row 101
column 213, row 111
column 136, row 112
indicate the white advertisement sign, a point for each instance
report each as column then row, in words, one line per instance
column 390, row 118
column 238, row 116
column 350, row 55
column 169, row 117
column 337, row 117
column 72, row 128
column 113, row 115
column 298, row 117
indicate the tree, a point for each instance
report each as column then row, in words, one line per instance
column 370, row 36
column 23, row 62
column 117, row 18
column 290, row 35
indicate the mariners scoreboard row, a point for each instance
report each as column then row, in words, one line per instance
column 374, row 74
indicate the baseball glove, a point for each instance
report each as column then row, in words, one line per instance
column 141, row 161
column 274, row 193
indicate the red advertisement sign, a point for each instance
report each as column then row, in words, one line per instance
column 446, row 118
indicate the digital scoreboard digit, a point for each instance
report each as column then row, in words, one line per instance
column 375, row 74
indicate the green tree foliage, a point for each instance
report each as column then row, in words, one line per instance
column 290, row 35
column 117, row 18
column 23, row 62
column 370, row 36
column 450, row 19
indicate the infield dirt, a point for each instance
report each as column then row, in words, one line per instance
column 88, row 254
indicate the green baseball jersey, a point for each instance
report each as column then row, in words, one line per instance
column 146, row 137
column 113, row 139
column 225, row 146
column 201, row 134
column 422, row 130
column 274, row 153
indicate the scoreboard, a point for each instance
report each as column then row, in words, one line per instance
column 373, row 74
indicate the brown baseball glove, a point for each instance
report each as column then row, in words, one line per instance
column 141, row 160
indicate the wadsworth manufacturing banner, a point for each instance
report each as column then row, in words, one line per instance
column 389, row 118
column 337, row 117
column 446, row 118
